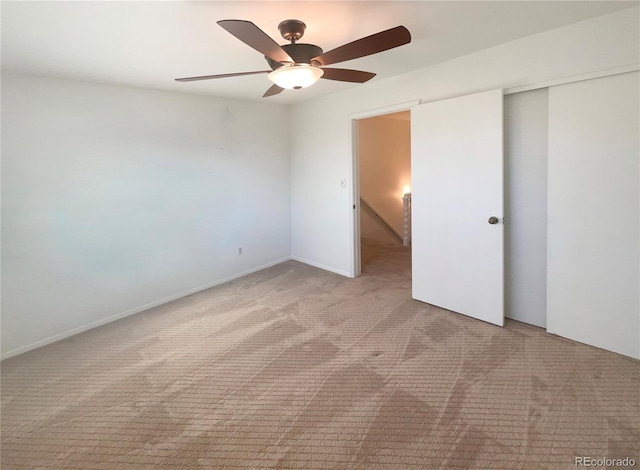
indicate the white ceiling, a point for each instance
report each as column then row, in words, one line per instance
column 149, row 43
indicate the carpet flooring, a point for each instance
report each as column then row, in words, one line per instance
column 294, row 367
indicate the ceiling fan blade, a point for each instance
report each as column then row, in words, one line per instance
column 253, row 36
column 223, row 75
column 274, row 90
column 373, row 44
column 347, row 75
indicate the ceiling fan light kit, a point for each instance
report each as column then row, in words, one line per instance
column 295, row 66
column 296, row 76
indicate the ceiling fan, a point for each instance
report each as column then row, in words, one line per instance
column 295, row 66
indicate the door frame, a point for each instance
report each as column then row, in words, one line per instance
column 355, row 267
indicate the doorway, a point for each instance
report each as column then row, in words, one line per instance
column 383, row 169
column 523, row 124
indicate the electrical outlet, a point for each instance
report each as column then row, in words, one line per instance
column 240, row 250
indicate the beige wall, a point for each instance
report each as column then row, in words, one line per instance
column 372, row 228
column 384, row 152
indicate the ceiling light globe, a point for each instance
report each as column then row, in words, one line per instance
column 296, row 76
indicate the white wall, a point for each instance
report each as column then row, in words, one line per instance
column 115, row 199
column 384, row 161
column 322, row 210
column 594, row 199
column 525, row 198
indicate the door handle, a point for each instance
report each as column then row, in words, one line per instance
column 493, row 220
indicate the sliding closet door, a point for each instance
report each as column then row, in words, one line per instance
column 457, row 184
column 526, row 118
column 593, row 205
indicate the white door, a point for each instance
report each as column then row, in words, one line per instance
column 526, row 117
column 457, row 185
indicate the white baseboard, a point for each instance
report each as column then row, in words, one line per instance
column 321, row 266
column 133, row 311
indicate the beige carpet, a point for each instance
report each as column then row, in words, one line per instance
column 293, row 367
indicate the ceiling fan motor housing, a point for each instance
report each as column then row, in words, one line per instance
column 300, row 53
column 292, row 30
